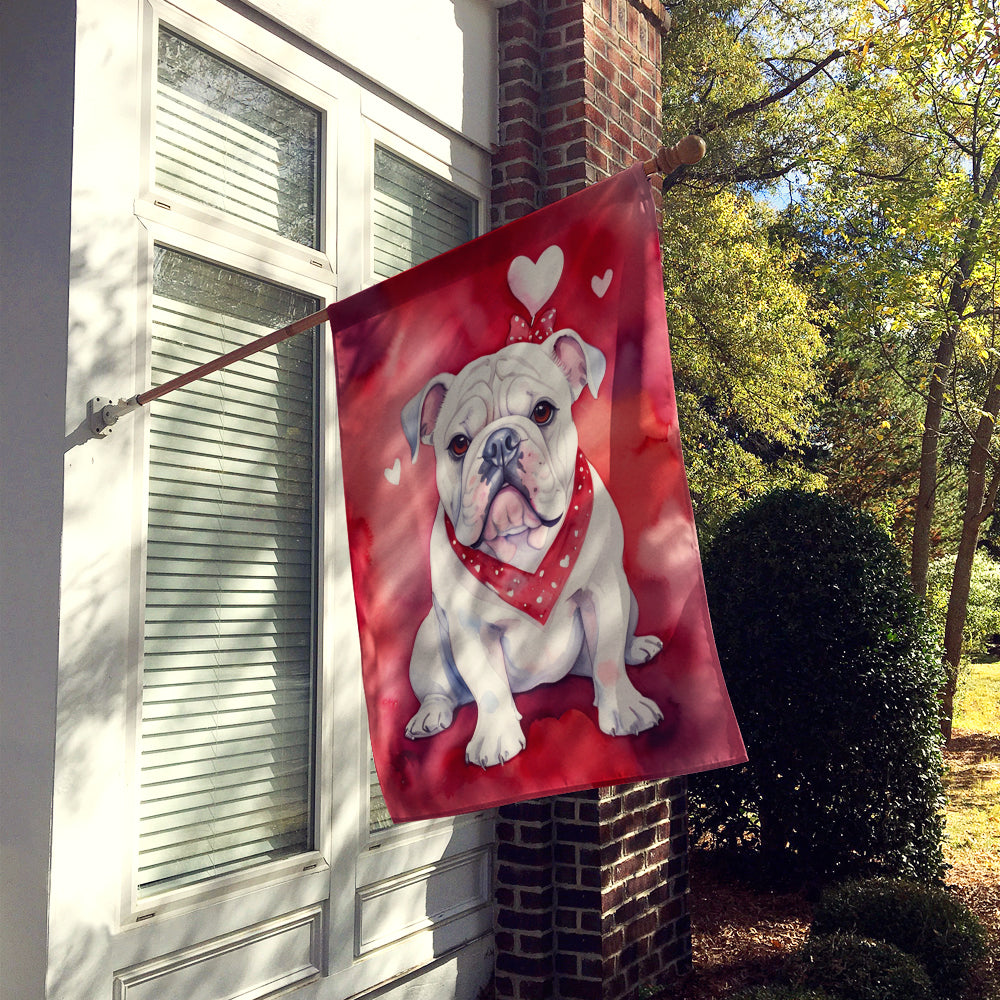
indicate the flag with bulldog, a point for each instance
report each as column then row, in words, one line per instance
column 526, row 572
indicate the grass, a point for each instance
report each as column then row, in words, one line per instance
column 973, row 809
column 973, row 783
column 978, row 698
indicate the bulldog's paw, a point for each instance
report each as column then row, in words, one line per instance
column 434, row 715
column 494, row 743
column 627, row 713
column 641, row 649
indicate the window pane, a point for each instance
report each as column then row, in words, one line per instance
column 228, row 140
column 416, row 216
column 228, row 658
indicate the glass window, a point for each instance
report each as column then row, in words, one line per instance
column 416, row 216
column 225, row 139
column 228, row 680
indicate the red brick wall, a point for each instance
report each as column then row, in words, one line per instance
column 591, row 888
column 639, row 833
column 579, row 96
column 591, row 893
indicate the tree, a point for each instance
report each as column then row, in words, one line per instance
column 867, row 421
column 913, row 189
column 747, row 352
column 746, row 355
column 746, row 75
column 879, row 123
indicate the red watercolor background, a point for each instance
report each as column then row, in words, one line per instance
column 389, row 341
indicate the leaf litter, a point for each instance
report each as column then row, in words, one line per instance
column 743, row 934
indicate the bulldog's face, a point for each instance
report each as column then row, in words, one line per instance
column 505, row 441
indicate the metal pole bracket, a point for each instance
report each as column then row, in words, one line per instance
column 103, row 413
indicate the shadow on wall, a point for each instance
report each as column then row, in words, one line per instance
column 93, row 707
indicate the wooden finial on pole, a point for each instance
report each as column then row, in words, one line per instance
column 668, row 158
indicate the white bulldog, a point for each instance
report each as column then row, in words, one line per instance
column 525, row 553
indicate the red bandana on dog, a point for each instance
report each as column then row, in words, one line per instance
column 536, row 593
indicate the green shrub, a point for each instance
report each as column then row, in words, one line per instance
column 856, row 968
column 833, row 672
column 925, row 922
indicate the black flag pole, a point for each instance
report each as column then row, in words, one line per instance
column 103, row 413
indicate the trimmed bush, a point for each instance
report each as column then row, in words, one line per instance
column 925, row 922
column 833, row 672
column 856, row 968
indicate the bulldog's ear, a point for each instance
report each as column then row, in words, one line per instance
column 421, row 413
column 581, row 363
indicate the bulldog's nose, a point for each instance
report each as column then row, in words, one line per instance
column 501, row 447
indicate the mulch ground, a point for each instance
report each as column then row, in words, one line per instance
column 742, row 934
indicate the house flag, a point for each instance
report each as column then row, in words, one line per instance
column 526, row 573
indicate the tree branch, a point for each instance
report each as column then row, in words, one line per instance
column 754, row 106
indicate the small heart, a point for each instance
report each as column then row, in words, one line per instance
column 533, row 282
column 600, row 285
column 393, row 474
column 564, row 562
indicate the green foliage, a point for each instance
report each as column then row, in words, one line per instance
column 926, row 922
column 833, row 673
column 745, row 343
column 877, row 125
column 857, row 968
column 983, row 613
column 868, row 424
column 902, row 209
column 738, row 73
column 746, row 355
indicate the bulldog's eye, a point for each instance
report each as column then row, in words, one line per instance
column 543, row 413
column 458, row 445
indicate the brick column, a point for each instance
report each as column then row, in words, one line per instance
column 579, row 96
column 591, row 888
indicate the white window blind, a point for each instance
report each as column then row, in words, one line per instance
column 228, row 660
column 228, row 674
column 230, row 141
column 415, row 217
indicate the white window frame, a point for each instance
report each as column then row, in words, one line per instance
column 177, row 223
column 195, row 244
column 399, row 137
column 349, row 872
column 387, row 858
